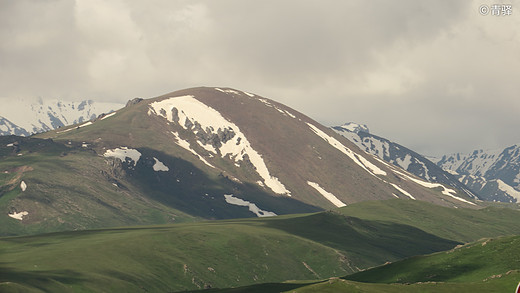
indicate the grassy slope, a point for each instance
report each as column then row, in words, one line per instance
column 222, row 253
column 68, row 188
column 505, row 283
column 456, row 224
column 490, row 265
column 469, row 263
column 163, row 258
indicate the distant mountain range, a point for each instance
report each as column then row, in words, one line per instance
column 24, row 117
column 494, row 174
column 398, row 155
column 489, row 175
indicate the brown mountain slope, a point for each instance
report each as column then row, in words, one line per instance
column 212, row 153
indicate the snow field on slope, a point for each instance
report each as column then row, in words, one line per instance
column 508, row 189
column 186, row 145
column 381, row 148
column 159, row 166
column 358, row 159
column 19, row 216
column 404, row 163
column 402, row 191
column 193, row 110
column 123, row 153
column 329, row 196
column 230, row 199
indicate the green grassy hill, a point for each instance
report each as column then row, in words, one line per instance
column 489, row 265
column 234, row 253
column 456, row 224
column 503, row 284
column 70, row 187
column 482, row 260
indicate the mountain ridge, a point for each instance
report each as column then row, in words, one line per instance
column 200, row 153
column 399, row 155
column 494, row 173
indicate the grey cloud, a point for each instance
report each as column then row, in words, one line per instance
column 418, row 72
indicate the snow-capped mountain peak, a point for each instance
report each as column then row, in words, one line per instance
column 29, row 116
column 353, row 127
column 494, row 174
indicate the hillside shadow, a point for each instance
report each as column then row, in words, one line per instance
column 370, row 242
column 189, row 189
column 410, row 271
column 260, row 288
column 42, row 280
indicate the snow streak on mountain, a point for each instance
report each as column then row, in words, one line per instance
column 398, row 155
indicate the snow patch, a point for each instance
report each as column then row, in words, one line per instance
column 358, row 159
column 266, row 102
column 23, row 186
column 227, row 91
column 426, row 171
column 380, row 148
column 18, row 216
column 402, row 191
column 446, row 191
column 283, row 112
column 77, row 127
column 186, row 145
column 404, row 163
column 508, row 189
column 244, row 203
column 85, row 124
column 160, row 166
column 109, row 115
column 191, row 109
column 207, row 147
column 123, row 153
column 290, row 114
column 329, row 196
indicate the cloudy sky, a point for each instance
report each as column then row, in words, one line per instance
column 436, row 76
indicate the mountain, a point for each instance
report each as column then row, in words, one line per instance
column 400, row 156
column 494, row 174
column 24, row 117
column 200, row 153
column 9, row 128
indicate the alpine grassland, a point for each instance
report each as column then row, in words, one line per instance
column 244, row 252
